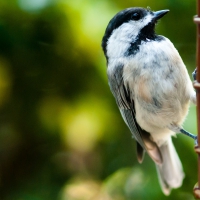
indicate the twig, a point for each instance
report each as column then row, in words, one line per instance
column 196, row 190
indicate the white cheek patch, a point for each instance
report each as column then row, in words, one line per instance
column 126, row 32
column 120, row 40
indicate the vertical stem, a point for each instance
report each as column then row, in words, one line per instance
column 198, row 81
column 198, row 41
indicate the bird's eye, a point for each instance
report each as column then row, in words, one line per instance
column 135, row 16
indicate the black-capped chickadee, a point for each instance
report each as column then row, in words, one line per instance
column 151, row 86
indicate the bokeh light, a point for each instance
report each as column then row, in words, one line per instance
column 29, row 5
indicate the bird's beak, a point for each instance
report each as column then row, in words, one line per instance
column 159, row 14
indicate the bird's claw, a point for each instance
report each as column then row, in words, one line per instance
column 194, row 74
column 196, row 141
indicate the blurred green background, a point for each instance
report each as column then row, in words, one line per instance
column 61, row 134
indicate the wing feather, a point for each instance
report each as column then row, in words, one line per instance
column 127, row 109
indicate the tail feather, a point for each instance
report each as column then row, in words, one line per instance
column 170, row 172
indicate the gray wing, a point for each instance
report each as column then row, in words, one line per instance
column 127, row 109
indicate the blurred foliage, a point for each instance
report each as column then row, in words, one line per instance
column 61, row 134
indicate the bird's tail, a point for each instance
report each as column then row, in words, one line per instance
column 170, row 172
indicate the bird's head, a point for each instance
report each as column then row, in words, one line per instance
column 128, row 24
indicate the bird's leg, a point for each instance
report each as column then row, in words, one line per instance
column 177, row 129
column 190, row 135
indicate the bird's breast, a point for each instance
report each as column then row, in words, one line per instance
column 159, row 83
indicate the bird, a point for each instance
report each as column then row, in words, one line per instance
column 151, row 86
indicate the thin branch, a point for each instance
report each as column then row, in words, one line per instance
column 196, row 190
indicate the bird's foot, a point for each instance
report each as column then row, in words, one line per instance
column 194, row 74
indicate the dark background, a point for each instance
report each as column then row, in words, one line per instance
column 61, row 134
